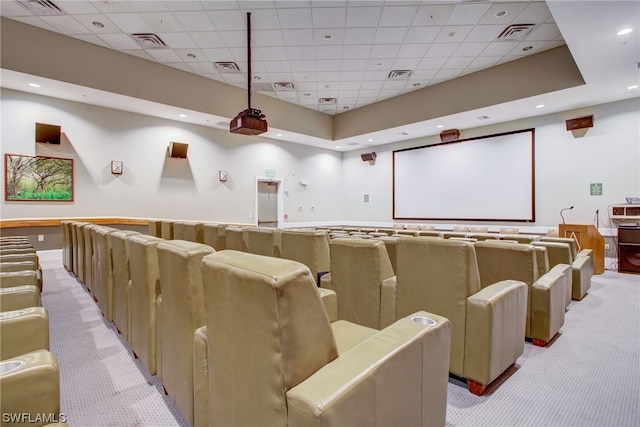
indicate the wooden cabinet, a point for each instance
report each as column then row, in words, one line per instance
column 629, row 249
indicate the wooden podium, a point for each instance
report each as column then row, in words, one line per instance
column 586, row 237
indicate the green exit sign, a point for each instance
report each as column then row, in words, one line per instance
column 595, row 189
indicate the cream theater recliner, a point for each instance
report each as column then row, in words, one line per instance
column 121, row 278
column 182, row 314
column 275, row 360
column 487, row 325
column 144, row 291
column 311, row 248
column 581, row 266
column 363, row 279
column 546, row 307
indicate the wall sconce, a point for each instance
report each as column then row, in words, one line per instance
column 116, row 167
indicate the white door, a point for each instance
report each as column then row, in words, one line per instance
column 268, row 203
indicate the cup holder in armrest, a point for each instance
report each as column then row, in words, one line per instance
column 10, row 365
column 424, row 320
column 11, row 314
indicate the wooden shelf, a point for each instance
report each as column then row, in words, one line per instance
column 53, row 222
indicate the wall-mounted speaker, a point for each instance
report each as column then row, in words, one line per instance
column 580, row 123
column 449, row 135
column 629, row 249
column 49, row 134
column 369, row 157
column 178, row 150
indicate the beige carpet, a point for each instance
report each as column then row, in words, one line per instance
column 588, row 376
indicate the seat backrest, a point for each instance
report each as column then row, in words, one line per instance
column 87, row 279
column 104, row 271
column 568, row 240
column 214, row 236
column 391, row 244
column 144, row 290
column 520, row 238
column 267, row 332
column 191, row 231
column 66, row 244
column 263, row 241
column 311, row 248
column 155, row 228
column 557, row 252
column 166, row 229
column 182, row 314
column 437, row 276
column 509, row 230
column 358, row 268
column 77, row 240
column 121, row 277
column 503, row 261
column 235, row 239
column 542, row 260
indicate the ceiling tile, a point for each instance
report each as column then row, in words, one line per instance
column 328, row 17
column 467, row 13
column 499, row 48
column 432, row 63
column 294, row 18
column 354, row 64
column 183, row 5
column 148, row 6
column 432, row 15
column 163, row 55
column 207, row 39
column 363, row 16
column 485, row 33
column 191, row 55
column 194, row 21
column 298, row 37
column 278, row 67
column 459, row 62
column 162, row 22
column 262, row 19
column 130, row 23
column 359, row 35
column 545, row 32
column 217, row 55
column 120, row 41
column 390, row 35
column 453, row 33
column 66, row 24
column 412, row 50
column 91, row 38
column 234, row 38
column 112, row 6
column 266, row 38
column 303, row 66
column 297, row 53
column 328, row 65
column 397, row 16
column 384, row 51
column 88, row 20
column 356, row 51
column 328, row 52
column 470, row 49
column 270, row 53
column 406, row 63
column 228, row 19
column 512, row 10
column 442, row 49
column 421, row 34
column 534, row 13
column 178, row 40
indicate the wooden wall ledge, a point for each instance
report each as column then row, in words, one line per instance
column 53, row 222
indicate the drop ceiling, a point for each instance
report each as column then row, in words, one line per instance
column 339, row 56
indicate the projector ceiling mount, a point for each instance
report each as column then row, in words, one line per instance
column 250, row 121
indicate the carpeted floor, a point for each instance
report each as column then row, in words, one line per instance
column 588, row 376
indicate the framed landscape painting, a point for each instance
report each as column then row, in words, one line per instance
column 33, row 178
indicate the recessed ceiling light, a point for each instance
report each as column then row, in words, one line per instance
column 482, row 117
column 632, row 87
column 440, row 126
column 624, row 31
column 337, row 146
column 191, row 55
column 500, row 14
column 540, row 106
column 278, row 134
column 98, row 24
column 369, row 140
column 182, row 115
column 34, row 85
column 345, row 107
column 327, row 37
column 526, row 48
column 416, row 84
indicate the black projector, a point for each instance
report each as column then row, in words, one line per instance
column 249, row 122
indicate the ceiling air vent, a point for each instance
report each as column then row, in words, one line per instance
column 227, row 67
column 149, row 41
column 262, row 87
column 352, row 144
column 283, row 86
column 328, row 101
column 516, row 32
column 399, row 74
column 41, row 7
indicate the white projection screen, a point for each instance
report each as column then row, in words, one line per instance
column 490, row 178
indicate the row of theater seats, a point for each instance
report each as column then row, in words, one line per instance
column 29, row 373
column 240, row 338
column 366, row 269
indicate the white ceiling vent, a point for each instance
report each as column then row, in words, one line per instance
column 328, row 101
column 41, row 7
column 283, row 86
column 262, row 87
column 516, row 32
column 149, row 41
column 399, row 74
column 227, row 67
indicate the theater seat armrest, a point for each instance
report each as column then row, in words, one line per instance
column 397, row 377
column 546, row 307
column 33, row 388
column 582, row 268
column 19, row 297
column 200, row 378
column 495, row 328
column 330, row 301
column 325, row 281
column 388, row 302
column 10, row 279
column 23, row 331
